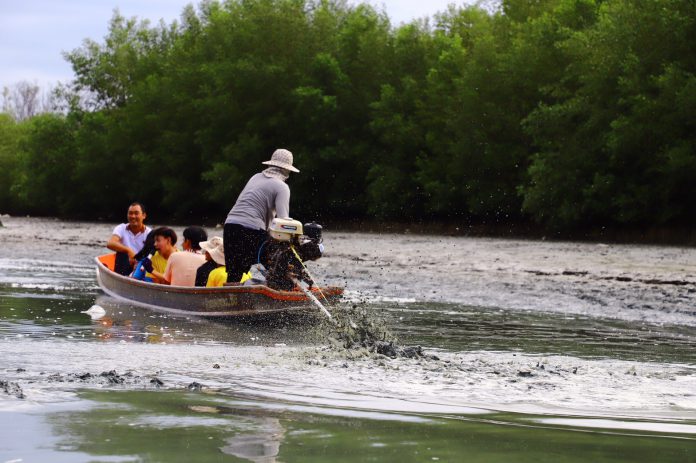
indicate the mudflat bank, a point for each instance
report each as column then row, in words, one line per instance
column 675, row 235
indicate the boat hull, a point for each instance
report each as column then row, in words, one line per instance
column 226, row 301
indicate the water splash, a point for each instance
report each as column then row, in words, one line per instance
column 95, row 312
column 359, row 329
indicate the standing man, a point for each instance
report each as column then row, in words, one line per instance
column 265, row 196
column 182, row 266
column 128, row 238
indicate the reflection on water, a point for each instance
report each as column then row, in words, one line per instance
column 436, row 325
column 24, row 315
column 166, row 426
column 262, row 446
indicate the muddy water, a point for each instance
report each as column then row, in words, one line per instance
column 537, row 351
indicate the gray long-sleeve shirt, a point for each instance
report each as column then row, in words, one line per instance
column 262, row 199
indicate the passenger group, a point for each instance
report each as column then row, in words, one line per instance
column 261, row 244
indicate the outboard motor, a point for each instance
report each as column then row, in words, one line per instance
column 311, row 247
column 284, row 254
column 313, row 232
column 285, row 229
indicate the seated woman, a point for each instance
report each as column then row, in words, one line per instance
column 212, row 273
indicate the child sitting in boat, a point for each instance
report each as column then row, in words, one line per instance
column 164, row 239
column 182, row 266
column 212, row 273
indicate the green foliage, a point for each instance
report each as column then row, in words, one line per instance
column 109, row 70
column 11, row 136
column 568, row 112
column 609, row 143
column 48, row 165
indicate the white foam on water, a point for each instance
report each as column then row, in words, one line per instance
column 41, row 286
column 648, row 426
column 370, row 298
column 458, row 383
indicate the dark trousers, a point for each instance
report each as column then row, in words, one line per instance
column 241, row 249
column 203, row 272
column 122, row 265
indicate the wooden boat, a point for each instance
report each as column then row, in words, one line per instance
column 226, row 301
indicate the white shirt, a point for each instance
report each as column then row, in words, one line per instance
column 133, row 241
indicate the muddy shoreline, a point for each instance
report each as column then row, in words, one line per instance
column 682, row 235
column 666, row 236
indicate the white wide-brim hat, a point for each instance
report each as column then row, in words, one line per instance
column 282, row 158
column 215, row 248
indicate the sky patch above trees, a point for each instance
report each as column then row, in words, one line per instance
column 35, row 33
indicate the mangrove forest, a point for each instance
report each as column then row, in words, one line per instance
column 562, row 113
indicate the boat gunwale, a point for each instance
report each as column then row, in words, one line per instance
column 246, row 289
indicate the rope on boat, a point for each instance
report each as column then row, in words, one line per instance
column 313, row 298
column 307, row 292
column 309, row 273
